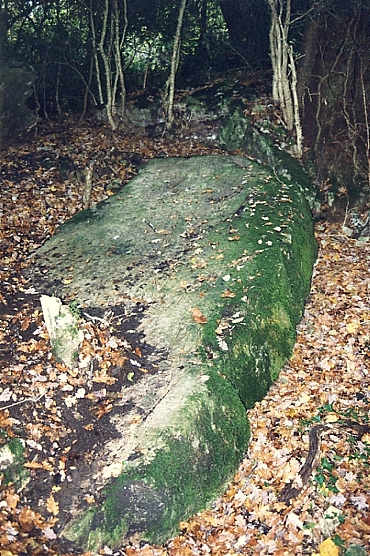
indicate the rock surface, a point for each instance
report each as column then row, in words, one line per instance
column 217, row 252
column 16, row 86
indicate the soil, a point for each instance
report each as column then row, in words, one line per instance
column 77, row 433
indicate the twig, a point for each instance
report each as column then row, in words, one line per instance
column 34, row 400
column 150, row 225
column 346, row 215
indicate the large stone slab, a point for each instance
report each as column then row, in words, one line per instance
column 218, row 252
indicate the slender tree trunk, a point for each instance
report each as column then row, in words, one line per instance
column 279, row 46
column 57, row 89
column 88, row 185
column 95, row 54
column 307, row 55
column 296, row 107
column 284, row 86
column 149, row 59
column 88, row 89
column 46, row 115
column 105, row 48
column 175, row 59
column 108, row 27
column 119, row 39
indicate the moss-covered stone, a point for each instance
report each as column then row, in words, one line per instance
column 220, row 236
column 16, row 86
column 237, row 132
column 155, row 492
column 12, row 462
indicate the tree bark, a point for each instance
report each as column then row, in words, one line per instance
column 94, row 41
column 119, row 39
column 279, row 49
column 307, row 55
column 170, row 86
column 284, row 85
column 105, row 47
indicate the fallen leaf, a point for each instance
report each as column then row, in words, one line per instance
column 29, row 519
column 198, row 317
column 329, row 548
column 352, row 327
column 50, row 533
column 331, row 418
column 12, row 500
column 228, row 293
column 33, row 465
column 52, row 506
column 25, row 323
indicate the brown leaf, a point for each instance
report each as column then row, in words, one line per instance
column 228, row 293
column 104, row 409
column 12, row 500
column 198, row 317
column 33, row 465
column 26, row 323
column 52, row 506
column 28, row 520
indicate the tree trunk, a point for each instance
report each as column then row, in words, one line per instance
column 105, row 48
column 170, row 85
column 3, row 28
column 57, row 91
column 307, row 55
column 95, row 46
column 119, row 39
column 284, row 85
column 88, row 91
column 280, row 24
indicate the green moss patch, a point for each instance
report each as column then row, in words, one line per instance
column 12, row 461
column 181, row 474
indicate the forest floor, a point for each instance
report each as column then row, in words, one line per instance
column 326, row 382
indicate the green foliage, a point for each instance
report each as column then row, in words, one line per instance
column 357, row 414
column 75, row 310
column 324, row 476
column 363, row 456
column 336, row 538
column 11, row 462
column 53, row 40
column 150, row 36
column 355, row 550
column 60, row 40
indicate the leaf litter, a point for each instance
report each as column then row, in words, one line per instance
column 325, row 382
